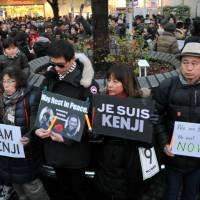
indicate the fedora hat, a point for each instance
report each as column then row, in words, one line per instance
column 190, row 49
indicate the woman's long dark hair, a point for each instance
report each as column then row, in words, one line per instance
column 125, row 75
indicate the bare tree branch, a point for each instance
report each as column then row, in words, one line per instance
column 50, row 2
column 55, row 8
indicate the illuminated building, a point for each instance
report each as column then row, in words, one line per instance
column 34, row 8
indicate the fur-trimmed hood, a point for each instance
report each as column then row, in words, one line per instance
column 88, row 71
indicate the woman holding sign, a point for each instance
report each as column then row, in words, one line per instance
column 18, row 107
column 118, row 173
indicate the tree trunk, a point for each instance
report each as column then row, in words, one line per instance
column 56, row 12
column 100, row 32
column 54, row 6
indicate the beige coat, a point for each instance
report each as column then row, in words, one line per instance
column 167, row 43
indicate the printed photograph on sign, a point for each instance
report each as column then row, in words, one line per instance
column 45, row 118
column 126, row 118
column 72, row 125
column 62, row 115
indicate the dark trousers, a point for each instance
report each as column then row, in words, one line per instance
column 182, row 182
column 72, row 184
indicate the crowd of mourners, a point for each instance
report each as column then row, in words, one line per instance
column 115, row 161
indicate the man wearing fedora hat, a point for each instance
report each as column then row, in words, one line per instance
column 178, row 99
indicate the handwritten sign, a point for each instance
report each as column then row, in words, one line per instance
column 186, row 139
column 10, row 144
column 148, row 162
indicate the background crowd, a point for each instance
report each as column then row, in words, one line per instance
column 117, row 166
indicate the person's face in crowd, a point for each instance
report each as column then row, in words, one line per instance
column 190, row 68
column 109, row 22
column 61, row 65
column 4, row 27
column 81, row 28
column 32, row 31
column 23, row 27
column 11, row 50
column 9, row 85
column 49, row 30
column 114, row 86
column 73, row 31
column 171, row 20
column 62, row 27
column 72, row 124
column 120, row 21
column 138, row 21
column 113, row 23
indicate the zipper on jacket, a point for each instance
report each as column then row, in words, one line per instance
column 195, row 97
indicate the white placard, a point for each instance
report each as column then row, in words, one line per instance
column 149, row 162
column 180, row 44
column 143, row 63
column 186, row 139
column 10, row 144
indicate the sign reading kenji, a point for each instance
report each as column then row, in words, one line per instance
column 123, row 117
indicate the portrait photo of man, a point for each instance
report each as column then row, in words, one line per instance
column 72, row 125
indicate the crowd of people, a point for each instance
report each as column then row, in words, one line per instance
column 116, row 162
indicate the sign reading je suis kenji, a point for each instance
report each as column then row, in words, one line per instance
column 123, row 117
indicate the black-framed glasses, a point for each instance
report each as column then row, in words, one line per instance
column 61, row 65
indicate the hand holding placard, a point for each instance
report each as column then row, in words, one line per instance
column 168, row 149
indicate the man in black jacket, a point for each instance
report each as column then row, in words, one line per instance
column 72, row 78
column 178, row 99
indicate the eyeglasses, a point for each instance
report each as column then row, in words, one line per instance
column 8, row 81
column 53, row 64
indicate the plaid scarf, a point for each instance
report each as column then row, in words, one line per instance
column 10, row 105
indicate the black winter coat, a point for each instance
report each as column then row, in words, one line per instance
column 22, row 170
column 177, row 102
column 110, row 174
column 69, row 154
column 118, row 173
column 20, row 62
column 194, row 38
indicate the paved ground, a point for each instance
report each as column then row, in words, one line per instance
column 154, row 192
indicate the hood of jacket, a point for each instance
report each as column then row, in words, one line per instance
column 88, row 71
